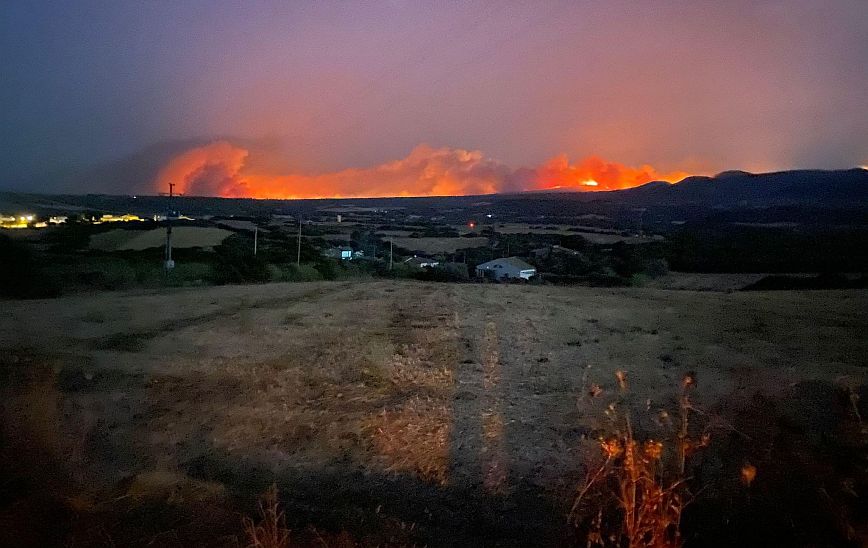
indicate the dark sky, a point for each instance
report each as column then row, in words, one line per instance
column 319, row 87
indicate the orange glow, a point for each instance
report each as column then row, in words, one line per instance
column 596, row 173
column 222, row 169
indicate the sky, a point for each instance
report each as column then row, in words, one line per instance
column 300, row 99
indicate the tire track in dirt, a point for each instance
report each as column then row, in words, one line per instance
column 494, row 457
column 412, row 432
column 511, row 395
column 479, row 456
column 537, row 393
column 466, row 434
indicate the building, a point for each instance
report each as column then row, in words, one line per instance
column 22, row 221
column 421, row 262
column 506, row 268
column 342, row 253
column 108, row 218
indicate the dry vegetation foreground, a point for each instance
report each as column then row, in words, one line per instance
column 401, row 413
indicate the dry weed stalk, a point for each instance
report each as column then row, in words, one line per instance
column 271, row 531
column 636, row 496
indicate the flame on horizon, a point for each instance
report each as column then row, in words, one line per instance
column 222, row 169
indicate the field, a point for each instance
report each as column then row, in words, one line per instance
column 592, row 234
column 121, row 239
column 401, row 413
column 438, row 245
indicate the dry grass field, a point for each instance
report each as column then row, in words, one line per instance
column 402, row 413
column 594, row 235
column 121, row 239
column 438, row 245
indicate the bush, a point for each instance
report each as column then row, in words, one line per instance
column 821, row 281
column 186, row 274
column 20, row 274
column 638, row 280
column 328, row 269
column 293, row 273
column 236, row 263
column 104, row 273
column 656, row 268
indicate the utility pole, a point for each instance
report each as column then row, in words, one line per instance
column 298, row 255
column 255, row 239
column 169, row 264
column 390, row 253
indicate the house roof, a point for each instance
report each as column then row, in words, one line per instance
column 513, row 262
column 419, row 261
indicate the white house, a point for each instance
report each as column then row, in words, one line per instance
column 509, row 267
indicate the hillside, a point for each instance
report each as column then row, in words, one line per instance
column 843, row 188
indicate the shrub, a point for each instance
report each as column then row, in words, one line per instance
column 293, row 273
column 20, row 275
column 657, row 267
column 638, row 280
column 327, row 269
column 105, row 273
column 236, row 263
column 186, row 274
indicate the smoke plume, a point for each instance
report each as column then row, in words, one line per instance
column 222, row 169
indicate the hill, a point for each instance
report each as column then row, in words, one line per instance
column 840, row 188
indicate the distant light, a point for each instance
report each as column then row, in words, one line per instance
column 472, row 224
column 590, row 182
column 488, row 215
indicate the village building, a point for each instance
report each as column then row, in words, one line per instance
column 345, row 253
column 421, row 262
column 506, row 268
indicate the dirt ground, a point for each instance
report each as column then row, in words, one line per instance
column 403, row 413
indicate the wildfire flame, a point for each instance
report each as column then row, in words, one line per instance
column 594, row 173
column 222, row 169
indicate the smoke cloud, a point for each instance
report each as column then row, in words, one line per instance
column 224, row 169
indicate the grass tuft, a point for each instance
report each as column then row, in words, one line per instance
column 270, row 531
column 636, row 495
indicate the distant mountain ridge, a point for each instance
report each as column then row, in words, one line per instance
column 838, row 188
column 732, row 190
